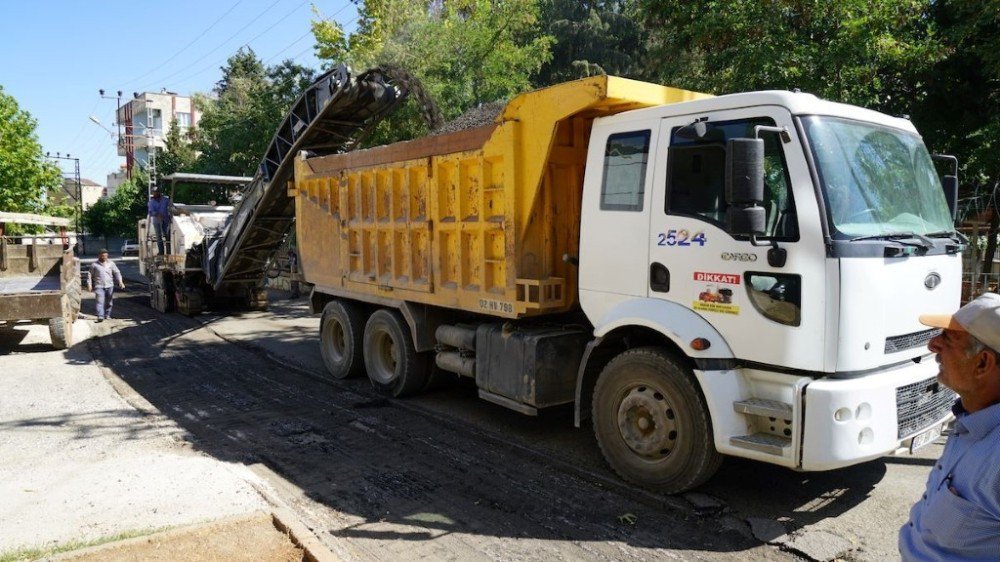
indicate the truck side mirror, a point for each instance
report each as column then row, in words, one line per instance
column 950, row 184
column 744, row 171
column 745, row 186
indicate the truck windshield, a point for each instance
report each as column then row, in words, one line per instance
column 876, row 180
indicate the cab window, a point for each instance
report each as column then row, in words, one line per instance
column 696, row 177
column 625, row 159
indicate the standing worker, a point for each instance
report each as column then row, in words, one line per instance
column 958, row 517
column 159, row 217
column 104, row 276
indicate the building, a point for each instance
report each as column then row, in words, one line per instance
column 66, row 193
column 146, row 120
column 114, row 180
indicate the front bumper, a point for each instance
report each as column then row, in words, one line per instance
column 848, row 421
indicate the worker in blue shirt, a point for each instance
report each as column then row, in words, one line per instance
column 958, row 517
column 159, row 217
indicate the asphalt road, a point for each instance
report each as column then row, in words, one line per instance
column 445, row 475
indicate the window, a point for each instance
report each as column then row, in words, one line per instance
column 625, row 161
column 156, row 119
column 875, row 179
column 183, row 120
column 696, row 183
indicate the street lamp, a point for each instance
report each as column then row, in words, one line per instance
column 79, row 197
column 101, row 125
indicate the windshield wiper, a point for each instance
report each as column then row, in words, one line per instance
column 953, row 234
column 899, row 238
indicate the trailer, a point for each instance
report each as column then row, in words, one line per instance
column 39, row 277
column 697, row 276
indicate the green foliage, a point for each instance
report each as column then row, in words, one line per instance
column 464, row 52
column 592, row 37
column 25, row 175
column 118, row 215
column 961, row 113
column 178, row 154
column 251, row 100
column 854, row 51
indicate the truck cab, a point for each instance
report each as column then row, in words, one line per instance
column 796, row 308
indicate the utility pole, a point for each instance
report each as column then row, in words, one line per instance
column 78, row 211
column 117, row 111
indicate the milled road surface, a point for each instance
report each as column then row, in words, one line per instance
column 853, row 512
column 380, row 479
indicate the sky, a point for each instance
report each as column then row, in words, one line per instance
column 55, row 55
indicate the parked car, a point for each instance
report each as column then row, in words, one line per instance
column 130, row 248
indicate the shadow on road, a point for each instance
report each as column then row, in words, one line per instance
column 401, row 472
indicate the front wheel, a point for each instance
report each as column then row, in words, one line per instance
column 651, row 422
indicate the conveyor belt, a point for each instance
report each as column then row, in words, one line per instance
column 333, row 115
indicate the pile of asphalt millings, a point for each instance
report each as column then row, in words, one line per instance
column 480, row 116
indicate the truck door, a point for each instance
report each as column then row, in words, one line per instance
column 768, row 313
column 615, row 223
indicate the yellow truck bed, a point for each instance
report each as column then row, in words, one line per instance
column 476, row 220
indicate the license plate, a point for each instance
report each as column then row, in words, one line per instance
column 921, row 440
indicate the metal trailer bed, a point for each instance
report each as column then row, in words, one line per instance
column 39, row 282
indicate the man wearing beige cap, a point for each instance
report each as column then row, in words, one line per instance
column 958, row 517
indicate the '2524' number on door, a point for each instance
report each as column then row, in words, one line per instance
column 679, row 238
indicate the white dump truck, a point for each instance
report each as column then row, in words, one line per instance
column 701, row 276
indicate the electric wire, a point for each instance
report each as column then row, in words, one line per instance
column 231, row 37
column 185, row 47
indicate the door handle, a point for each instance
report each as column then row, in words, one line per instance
column 659, row 278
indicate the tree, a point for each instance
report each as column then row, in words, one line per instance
column 592, row 37
column 462, row 52
column 178, row 155
column 854, row 51
column 961, row 113
column 119, row 214
column 25, row 175
column 251, row 100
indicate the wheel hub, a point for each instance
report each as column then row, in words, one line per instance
column 646, row 422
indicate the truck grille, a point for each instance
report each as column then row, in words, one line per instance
column 909, row 341
column 921, row 404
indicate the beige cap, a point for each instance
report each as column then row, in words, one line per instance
column 979, row 317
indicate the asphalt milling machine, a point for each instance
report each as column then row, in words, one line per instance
column 217, row 256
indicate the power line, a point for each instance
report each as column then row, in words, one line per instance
column 289, row 46
column 185, row 47
column 80, row 132
column 214, row 65
column 240, row 30
column 309, row 32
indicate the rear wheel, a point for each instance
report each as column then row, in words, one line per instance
column 341, row 333
column 393, row 365
column 651, row 422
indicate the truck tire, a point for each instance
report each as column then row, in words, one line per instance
column 60, row 333
column 651, row 422
column 341, row 333
column 394, row 367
